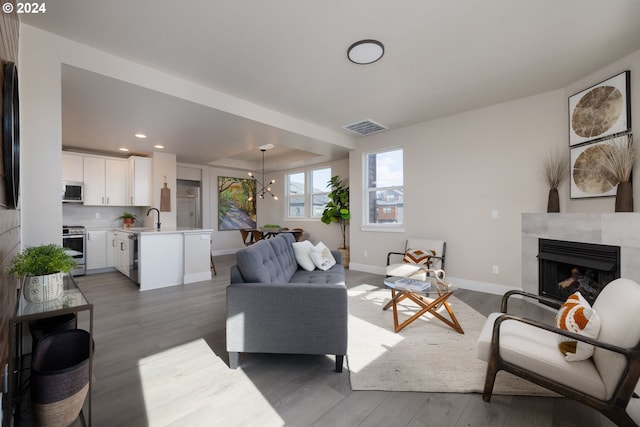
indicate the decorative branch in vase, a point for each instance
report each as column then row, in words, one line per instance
column 556, row 168
column 618, row 158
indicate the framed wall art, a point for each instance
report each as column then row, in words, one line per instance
column 236, row 203
column 588, row 176
column 600, row 111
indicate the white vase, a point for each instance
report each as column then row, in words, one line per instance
column 43, row 288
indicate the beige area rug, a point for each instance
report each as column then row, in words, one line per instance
column 425, row 356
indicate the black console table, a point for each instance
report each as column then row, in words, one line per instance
column 71, row 301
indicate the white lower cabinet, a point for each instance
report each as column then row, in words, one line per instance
column 97, row 249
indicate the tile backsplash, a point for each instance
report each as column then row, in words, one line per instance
column 99, row 216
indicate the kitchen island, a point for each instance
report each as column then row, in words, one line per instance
column 171, row 256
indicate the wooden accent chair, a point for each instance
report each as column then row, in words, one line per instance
column 605, row 381
column 247, row 236
column 297, row 233
column 408, row 267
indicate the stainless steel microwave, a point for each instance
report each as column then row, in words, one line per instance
column 72, row 192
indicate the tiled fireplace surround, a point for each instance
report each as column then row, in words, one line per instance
column 617, row 229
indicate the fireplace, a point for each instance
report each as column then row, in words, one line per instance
column 566, row 267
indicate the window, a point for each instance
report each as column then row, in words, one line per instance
column 384, row 179
column 307, row 193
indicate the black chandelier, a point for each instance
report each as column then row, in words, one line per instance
column 265, row 188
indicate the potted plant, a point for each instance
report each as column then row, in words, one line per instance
column 618, row 159
column 128, row 218
column 41, row 269
column 337, row 210
column 556, row 167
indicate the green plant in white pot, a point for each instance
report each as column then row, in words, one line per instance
column 41, row 269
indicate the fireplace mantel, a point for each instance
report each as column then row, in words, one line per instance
column 617, row 229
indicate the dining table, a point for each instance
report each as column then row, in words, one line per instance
column 255, row 234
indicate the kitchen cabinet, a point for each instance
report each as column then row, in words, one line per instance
column 105, row 181
column 139, row 181
column 97, row 248
column 121, row 252
column 72, row 167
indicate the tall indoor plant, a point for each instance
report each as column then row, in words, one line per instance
column 337, row 210
column 618, row 159
column 41, row 269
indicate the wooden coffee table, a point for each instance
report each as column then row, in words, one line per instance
column 430, row 301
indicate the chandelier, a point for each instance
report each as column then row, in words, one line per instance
column 265, row 188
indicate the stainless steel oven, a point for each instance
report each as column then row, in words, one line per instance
column 74, row 241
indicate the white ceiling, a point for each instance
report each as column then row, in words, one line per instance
column 441, row 57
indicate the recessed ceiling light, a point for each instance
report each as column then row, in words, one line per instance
column 365, row 52
column 123, row 149
column 140, row 135
column 158, row 146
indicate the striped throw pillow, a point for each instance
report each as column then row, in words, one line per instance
column 576, row 315
column 418, row 256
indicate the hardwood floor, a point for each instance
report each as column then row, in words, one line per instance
column 160, row 360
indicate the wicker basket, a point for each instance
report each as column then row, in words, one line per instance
column 43, row 288
column 60, row 377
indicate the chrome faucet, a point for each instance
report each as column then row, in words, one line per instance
column 155, row 209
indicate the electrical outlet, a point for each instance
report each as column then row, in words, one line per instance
column 494, row 213
column 366, row 255
column 97, row 215
column 496, row 269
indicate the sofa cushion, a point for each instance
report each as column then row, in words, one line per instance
column 334, row 275
column 576, row 315
column 418, row 256
column 322, row 257
column 259, row 263
column 301, row 251
column 282, row 246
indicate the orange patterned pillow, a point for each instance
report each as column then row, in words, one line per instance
column 576, row 315
column 418, row 256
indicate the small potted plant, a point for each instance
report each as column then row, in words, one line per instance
column 41, row 269
column 128, row 218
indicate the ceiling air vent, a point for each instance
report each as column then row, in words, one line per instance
column 365, row 127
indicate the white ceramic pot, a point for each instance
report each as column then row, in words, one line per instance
column 43, row 288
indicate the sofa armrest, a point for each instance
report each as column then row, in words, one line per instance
column 287, row 318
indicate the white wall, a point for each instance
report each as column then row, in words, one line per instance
column 41, row 138
column 460, row 168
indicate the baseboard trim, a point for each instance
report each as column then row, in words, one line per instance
column 474, row 285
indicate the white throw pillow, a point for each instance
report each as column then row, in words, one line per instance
column 322, row 257
column 301, row 251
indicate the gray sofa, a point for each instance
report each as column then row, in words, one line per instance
column 275, row 307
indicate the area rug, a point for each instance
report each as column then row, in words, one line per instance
column 425, row 356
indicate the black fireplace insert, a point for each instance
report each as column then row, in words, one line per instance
column 565, row 267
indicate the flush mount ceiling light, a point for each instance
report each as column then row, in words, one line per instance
column 365, row 52
column 265, row 188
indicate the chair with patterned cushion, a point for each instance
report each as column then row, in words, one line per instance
column 418, row 254
column 603, row 378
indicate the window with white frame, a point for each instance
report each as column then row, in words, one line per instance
column 384, row 189
column 307, row 192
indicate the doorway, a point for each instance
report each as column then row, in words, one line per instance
column 189, row 204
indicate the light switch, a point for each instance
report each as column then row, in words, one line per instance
column 494, row 213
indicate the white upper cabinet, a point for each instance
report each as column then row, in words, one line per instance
column 139, row 181
column 72, row 167
column 105, row 181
